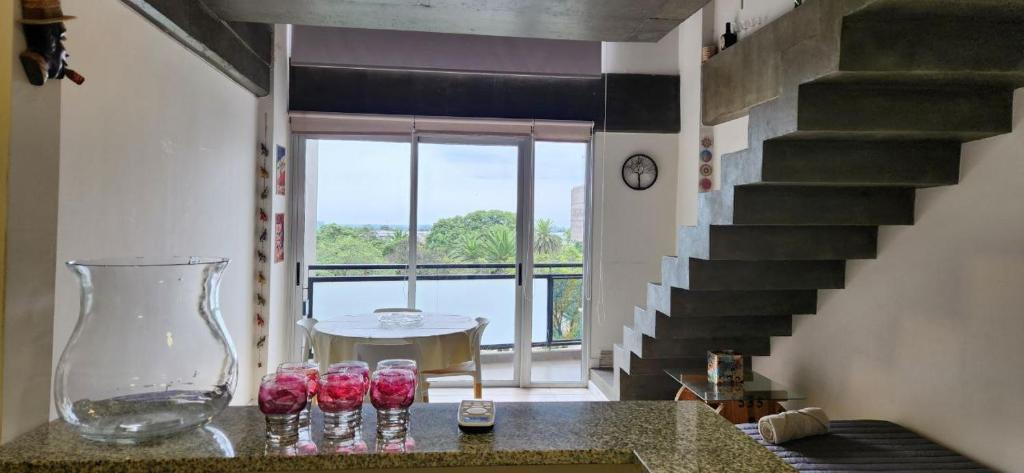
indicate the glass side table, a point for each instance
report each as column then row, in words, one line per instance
column 755, row 398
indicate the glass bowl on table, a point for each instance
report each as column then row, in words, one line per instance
column 400, row 319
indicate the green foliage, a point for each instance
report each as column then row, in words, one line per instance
column 567, row 310
column 483, row 236
column 545, row 239
column 448, row 235
column 498, row 245
column 336, row 244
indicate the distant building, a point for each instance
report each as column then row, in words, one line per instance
column 578, row 213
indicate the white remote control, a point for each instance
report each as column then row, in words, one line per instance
column 476, row 415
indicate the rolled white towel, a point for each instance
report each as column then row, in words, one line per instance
column 791, row 425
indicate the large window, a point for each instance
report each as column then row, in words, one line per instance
column 460, row 209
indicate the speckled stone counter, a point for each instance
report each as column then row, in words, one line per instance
column 660, row 436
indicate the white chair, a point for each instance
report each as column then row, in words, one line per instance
column 468, row 368
column 308, row 326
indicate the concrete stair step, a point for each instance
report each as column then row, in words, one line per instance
column 716, row 275
column 645, row 387
column 862, row 163
column 697, row 347
column 875, row 109
column 689, row 303
column 679, row 328
column 604, row 380
column 878, row 40
column 757, row 204
column 786, row 242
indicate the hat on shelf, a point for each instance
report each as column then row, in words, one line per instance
column 42, row 12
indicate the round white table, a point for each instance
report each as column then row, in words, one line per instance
column 443, row 340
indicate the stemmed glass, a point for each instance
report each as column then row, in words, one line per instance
column 310, row 370
column 282, row 397
column 392, row 391
column 341, row 400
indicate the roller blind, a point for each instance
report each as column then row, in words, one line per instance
column 312, row 123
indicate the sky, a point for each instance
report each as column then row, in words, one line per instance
column 367, row 182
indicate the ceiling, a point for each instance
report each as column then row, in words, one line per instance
column 589, row 20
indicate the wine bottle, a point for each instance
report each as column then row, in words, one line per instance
column 729, row 38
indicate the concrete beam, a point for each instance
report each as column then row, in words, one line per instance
column 242, row 51
column 590, row 20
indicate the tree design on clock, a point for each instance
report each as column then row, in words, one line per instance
column 639, row 172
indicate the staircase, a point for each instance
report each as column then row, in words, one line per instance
column 862, row 120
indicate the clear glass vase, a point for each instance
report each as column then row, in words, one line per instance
column 149, row 356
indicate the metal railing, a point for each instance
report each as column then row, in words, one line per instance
column 550, row 279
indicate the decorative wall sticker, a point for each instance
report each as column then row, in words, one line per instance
column 262, row 190
column 42, row 22
column 706, row 170
column 280, row 166
column 278, row 237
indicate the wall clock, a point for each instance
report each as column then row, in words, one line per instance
column 639, row 172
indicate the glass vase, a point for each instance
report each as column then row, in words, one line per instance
column 150, row 356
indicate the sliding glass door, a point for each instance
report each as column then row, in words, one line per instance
column 485, row 226
column 468, row 206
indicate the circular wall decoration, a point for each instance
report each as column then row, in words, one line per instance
column 639, row 172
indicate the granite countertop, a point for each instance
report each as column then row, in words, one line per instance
column 660, row 436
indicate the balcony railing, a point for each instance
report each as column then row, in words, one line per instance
column 552, row 282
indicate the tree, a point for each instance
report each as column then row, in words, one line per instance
column 545, row 239
column 567, row 308
column 396, row 248
column 337, row 244
column 446, row 234
column 498, row 245
column 469, row 249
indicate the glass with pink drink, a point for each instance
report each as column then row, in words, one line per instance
column 392, row 391
column 310, row 370
column 282, row 397
column 341, row 400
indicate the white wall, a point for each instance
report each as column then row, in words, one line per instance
column 928, row 335
column 157, row 152
column 280, row 321
column 31, row 243
column 642, row 58
column 632, row 230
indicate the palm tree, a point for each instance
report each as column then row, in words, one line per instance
column 468, row 249
column 545, row 239
column 498, row 245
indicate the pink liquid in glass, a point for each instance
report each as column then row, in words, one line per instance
column 283, row 393
column 341, row 391
column 309, row 369
column 353, row 367
column 392, row 388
